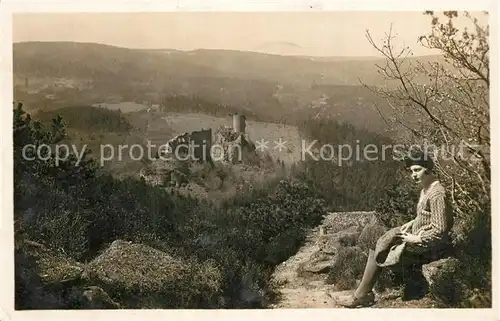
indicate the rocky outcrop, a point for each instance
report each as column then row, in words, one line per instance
column 96, row 298
column 125, row 275
column 143, row 277
column 337, row 231
column 329, row 244
column 436, row 271
column 341, row 221
column 370, row 234
column 302, row 279
column 46, row 279
column 52, row 266
column 442, row 282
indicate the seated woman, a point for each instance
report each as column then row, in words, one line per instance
column 425, row 236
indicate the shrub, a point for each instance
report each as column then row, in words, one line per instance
column 349, row 186
column 348, row 267
column 369, row 236
column 473, row 249
column 398, row 205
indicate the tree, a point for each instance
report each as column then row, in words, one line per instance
column 445, row 102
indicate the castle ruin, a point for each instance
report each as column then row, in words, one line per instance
column 233, row 146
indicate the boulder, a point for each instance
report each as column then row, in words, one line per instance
column 139, row 276
column 52, row 266
column 329, row 245
column 336, row 222
column 329, row 242
column 370, row 234
column 319, row 263
column 440, row 281
column 45, row 279
column 95, row 298
column 436, row 271
column 347, row 268
column 30, row 292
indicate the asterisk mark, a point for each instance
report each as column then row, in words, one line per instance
column 280, row 145
column 262, row 144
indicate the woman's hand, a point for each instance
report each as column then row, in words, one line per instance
column 406, row 226
column 409, row 238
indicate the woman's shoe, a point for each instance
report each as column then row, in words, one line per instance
column 352, row 301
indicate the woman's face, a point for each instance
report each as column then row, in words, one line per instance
column 418, row 173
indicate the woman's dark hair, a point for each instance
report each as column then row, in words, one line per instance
column 419, row 158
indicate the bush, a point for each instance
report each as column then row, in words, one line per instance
column 348, row 267
column 353, row 185
column 473, row 249
column 369, row 236
column 399, row 203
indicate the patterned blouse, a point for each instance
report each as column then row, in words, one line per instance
column 434, row 215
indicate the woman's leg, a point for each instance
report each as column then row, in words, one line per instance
column 363, row 294
column 370, row 276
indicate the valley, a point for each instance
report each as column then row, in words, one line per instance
column 269, row 88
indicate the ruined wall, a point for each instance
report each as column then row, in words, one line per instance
column 174, row 143
column 200, row 141
column 203, row 141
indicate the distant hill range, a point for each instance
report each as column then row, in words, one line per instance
column 272, row 86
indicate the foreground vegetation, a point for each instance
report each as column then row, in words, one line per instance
column 82, row 210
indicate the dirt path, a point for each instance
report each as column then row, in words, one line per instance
column 300, row 291
column 309, row 290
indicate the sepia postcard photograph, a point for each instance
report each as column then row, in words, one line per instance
column 260, row 160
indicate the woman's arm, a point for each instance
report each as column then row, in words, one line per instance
column 407, row 226
column 437, row 202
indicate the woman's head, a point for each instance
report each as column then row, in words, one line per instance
column 421, row 166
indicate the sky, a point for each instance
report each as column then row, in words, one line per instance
column 292, row 33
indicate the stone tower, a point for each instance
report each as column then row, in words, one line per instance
column 239, row 123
